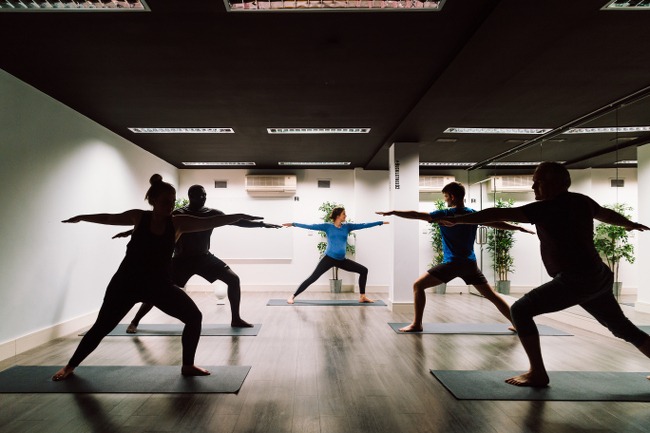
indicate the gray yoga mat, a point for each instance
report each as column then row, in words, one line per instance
column 122, row 379
column 474, row 328
column 565, row 386
column 325, row 302
column 164, row 329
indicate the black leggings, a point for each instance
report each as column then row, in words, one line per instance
column 327, row 263
column 170, row 299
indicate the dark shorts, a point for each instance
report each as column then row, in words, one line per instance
column 207, row 266
column 467, row 270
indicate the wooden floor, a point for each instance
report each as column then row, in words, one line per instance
column 330, row 370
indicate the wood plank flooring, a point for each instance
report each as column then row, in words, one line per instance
column 331, row 370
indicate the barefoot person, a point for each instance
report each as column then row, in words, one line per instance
column 192, row 256
column 144, row 274
column 459, row 259
column 337, row 238
column 564, row 222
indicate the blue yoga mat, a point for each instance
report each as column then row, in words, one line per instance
column 122, row 379
column 164, row 329
column 564, row 386
column 474, row 328
column 325, row 302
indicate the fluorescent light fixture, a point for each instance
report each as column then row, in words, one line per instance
column 182, row 130
column 626, row 162
column 314, row 163
column 330, row 5
column 626, row 5
column 73, row 6
column 518, row 163
column 513, row 131
column 608, row 130
column 446, row 164
column 318, row 130
column 217, row 163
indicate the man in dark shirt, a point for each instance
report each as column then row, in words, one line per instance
column 564, row 223
column 192, row 256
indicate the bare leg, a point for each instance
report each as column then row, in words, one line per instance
column 234, row 298
column 492, row 296
column 536, row 375
column 420, row 301
column 133, row 326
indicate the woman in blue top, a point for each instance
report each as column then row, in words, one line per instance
column 337, row 238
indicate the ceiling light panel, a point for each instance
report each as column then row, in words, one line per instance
column 511, row 131
column 217, row 163
column 72, row 6
column 608, row 130
column 627, row 5
column 314, row 163
column 330, row 5
column 446, row 164
column 318, row 130
column 182, row 130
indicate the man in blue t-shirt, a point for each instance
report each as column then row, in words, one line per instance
column 564, row 222
column 458, row 254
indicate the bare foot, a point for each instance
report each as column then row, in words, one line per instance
column 132, row 329
column 363, row 299
column 411, row 328
column 240, row 323
column 512, row 329
column 63, row 374
column 291, row 299
column 193, row 370
column 535, row 380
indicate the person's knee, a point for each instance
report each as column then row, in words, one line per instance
column 363, row 270
column 519, row 311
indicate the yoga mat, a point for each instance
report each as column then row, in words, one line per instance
column 122, row 379
column 147, row 330
column 474, row 328
column 325, row 302
column 564, row 386
column 644, row 328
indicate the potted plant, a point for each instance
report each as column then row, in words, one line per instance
column 436, row 243
column 499, row 244
column 612, row 243
column 326, row 208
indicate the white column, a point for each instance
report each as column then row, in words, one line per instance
column 643, row 242
column 404, row 162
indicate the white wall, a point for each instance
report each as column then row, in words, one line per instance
column 55, row 164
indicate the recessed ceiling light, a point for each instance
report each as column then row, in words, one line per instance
column 217, row 163
column 626, row 5
column 610, row 129
column 73, row 6
column 626, row 162
column 446, row 164
column 330, row 5
column 182, row 130
column 517, row 163
column 513, row 131
column 314, row 163
column 318, row 130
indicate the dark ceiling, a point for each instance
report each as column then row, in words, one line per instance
column 406, row 75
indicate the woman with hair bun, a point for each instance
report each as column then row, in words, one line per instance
column 144, row 274
column 337, row 237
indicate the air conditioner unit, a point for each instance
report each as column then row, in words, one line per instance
column 276, row 185
column 512, row 183
column 434, row 183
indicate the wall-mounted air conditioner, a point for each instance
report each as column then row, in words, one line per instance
column 512, row 183
column 434, row 183
column 271, row 185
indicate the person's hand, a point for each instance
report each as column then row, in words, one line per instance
column 271, row 226
column 525, row 230
column 74, row 219
column 125, row 234
column 287, row 224
column 639, row 227
column 386, row 222
column 386, row 213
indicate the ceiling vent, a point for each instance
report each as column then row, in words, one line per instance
column 280, row 185
column 512, row 183
column 434, row 183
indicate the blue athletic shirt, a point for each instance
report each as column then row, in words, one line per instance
column 457, row 241
column 337, row 238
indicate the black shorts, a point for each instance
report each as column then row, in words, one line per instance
column 465, row 269
column 207, row 266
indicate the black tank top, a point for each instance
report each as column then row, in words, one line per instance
column 148, row 254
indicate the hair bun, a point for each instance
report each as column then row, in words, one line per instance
column 156, row 178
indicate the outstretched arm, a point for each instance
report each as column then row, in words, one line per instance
column 508, row 226
column 188, row 223
column 408, row 214
column 125, row 234
column 128, row 218
column 490, row 215
column 614, row 218
column 255, row 224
